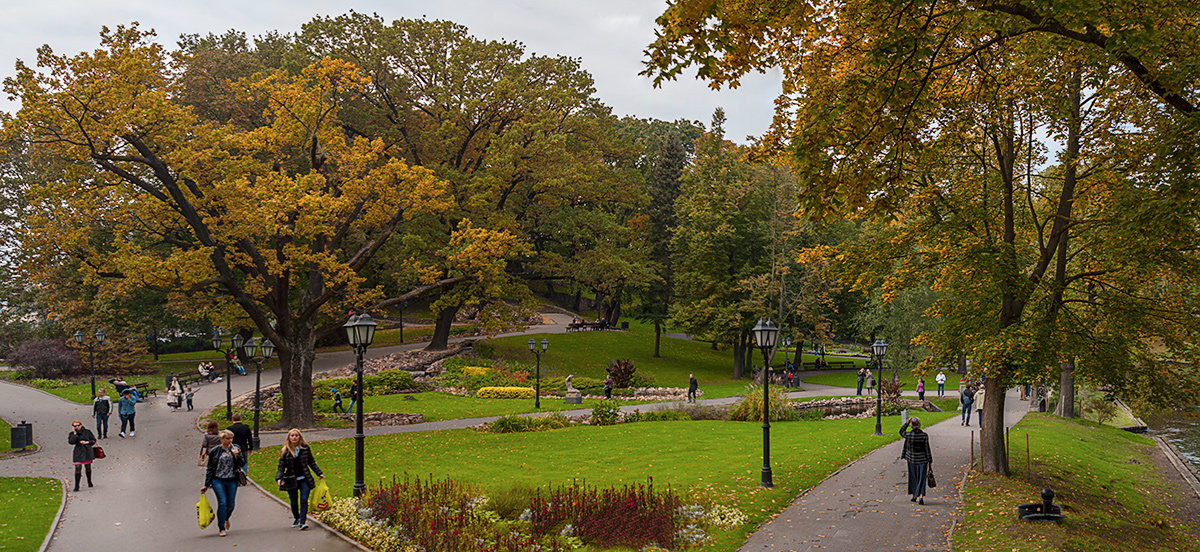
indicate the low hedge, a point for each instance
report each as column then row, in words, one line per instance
column 505, row 393
column 516, row 424
column 378, row 384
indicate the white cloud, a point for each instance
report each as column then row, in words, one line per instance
column 609, row 38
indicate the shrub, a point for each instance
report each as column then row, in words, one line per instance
column 484, row 348
column 476, row 370
column 47, row 358
column 890, row 389
column 505, row 393
column 705, row 412
column 386, row 381
column 750, row 408
column 1104, row 408
column 632, row 516
column 642, row 380
column 510, row 502
column 605, row 413
column 621, row 372
column 666, row 415
column 515, row 424
column 42, row 383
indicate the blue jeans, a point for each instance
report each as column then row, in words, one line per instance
column 300, row 512
column 966, row 413
column 350, row 408
column 941, row 389
column 101, row 425
column 226, row 491
column 127, row 419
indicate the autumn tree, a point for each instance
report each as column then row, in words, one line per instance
column 271, row 223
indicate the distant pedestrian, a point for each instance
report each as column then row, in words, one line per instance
column 693, row 386
column 127, row 410
column 921, row 388
column 337, row 399
column 101, row 408
column 188, row 395
column 292, row 475
column 224, row 461
column 919, row 456
column 979, row 396
column 1025, row 392
column 242, row 435
column 862, row 376
column 870, row 383
column 212, row 438
column 966, row 397
column 84, row 440
column 608, row 385
column 941, row 381
column 354, row 396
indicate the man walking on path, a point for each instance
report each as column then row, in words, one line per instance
column 242, row 437
column 693, row 386
column 862, row 375
column 866, row 505
column 941, row 381
column 101, row 408
column 127, row 409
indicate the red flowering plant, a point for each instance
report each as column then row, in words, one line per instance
column 633, row 515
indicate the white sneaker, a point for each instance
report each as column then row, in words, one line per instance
column 132, row 433
column 122, row 434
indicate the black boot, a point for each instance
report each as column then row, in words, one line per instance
column 77, row 477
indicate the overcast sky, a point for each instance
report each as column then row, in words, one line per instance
column 608, row 36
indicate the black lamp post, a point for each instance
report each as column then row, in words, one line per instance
column 235, row 342
column 785, row 343
column 91, row 345
column 360, row 331
column 879, row 348
column 765, row 334
column 537, row 385
column 258, row 353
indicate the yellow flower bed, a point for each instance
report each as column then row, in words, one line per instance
column 505, row 393
column 476, row 370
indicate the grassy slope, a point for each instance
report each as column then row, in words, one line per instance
column 850, row 379
column 27, row 506
column 706, row 460
column 1104, row 479
column 438, row 406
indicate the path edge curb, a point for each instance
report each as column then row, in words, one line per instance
column 62, row 505
column 311, row 518
column 1179, row 463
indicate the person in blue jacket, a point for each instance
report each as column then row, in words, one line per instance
column 126, row 410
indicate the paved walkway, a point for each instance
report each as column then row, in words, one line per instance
column 147, row 487
column 865, row 506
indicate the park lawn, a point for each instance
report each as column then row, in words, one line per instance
column 1110, row 489
column 27, row 508
column 211, row 356
column 709, row 461
column 850, row 379
column 266, row 418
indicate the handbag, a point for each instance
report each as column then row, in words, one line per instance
column 97, row 451
column 203, row 461
column 242, row 479
column 288, row 484
column 932, row 480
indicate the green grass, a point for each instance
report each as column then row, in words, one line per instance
column 266, row 418
column 1104, row 479
column 214, row 356
column 27, row 507
column 437, row 406
column 850, row 379
column 703, row 460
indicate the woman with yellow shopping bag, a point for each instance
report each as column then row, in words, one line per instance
column 225, row 463
column 293, row 476
column 204, row 512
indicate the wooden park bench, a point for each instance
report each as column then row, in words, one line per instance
column 145, row 390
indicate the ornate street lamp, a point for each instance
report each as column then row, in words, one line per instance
column 258, row 353
column 235, row 342
column 91, row 345
column 785, row 343
column 765, row 334
column 537, row 386
column 360, row 331
column 878, row 349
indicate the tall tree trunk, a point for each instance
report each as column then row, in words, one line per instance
column 1066, row 389
column 993, row 456
column 657, row 337
column 578, row 299
column 441, row 332
column 739, row 357
column 295, row 383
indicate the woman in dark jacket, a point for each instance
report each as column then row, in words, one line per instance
column 84, row 440
column 292, row 474
column 225, row 462
column 920, row 458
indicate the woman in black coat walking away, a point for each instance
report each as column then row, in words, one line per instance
column 293, row 476
column 919, row 456
column 84, row 440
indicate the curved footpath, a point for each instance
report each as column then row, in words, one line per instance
column 147, row 487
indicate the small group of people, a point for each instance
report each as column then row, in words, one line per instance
column 865, row 376
column 177, row 394
column 971, row 398
column 207, row 370
column 126, row 410
column 226, row 462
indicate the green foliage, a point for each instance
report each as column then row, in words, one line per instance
column 606, row 413
column 558, row 385
column 514, row 423
column 42, row 383
column 383, row 383
column 484, row 348
column 750, row 408
column 622, row 372
column 665, row 415
column 505, row 393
